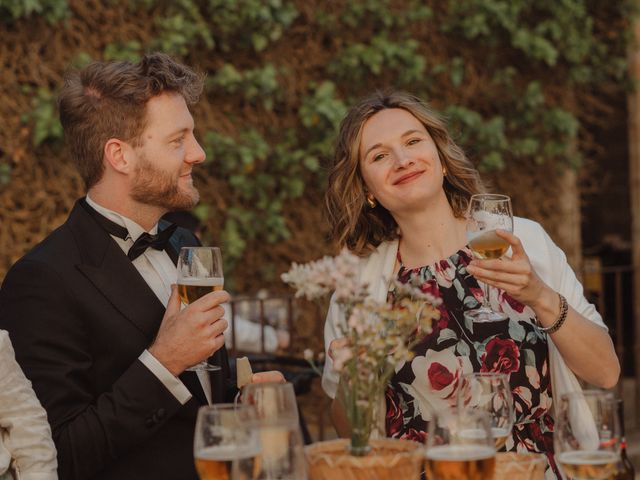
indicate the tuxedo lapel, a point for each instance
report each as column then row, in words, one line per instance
column 107, row 267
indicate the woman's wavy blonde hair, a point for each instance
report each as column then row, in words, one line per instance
column 354, row 223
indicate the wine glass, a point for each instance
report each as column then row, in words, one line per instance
column 487, row 213
column 587, row 435
column 460, row 445
column 491, row 393
column 226, row 444
column 279, row 426
column 199, row 273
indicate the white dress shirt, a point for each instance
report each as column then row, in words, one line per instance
column 159, row 272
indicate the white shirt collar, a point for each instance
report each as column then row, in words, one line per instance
column 132, row 227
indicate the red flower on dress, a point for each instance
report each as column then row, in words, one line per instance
column 394, row 420
column 502, row 356
column 439, row 376
column 415, row 435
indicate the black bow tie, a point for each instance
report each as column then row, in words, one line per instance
column 159, row 241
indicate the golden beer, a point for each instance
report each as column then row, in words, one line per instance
column 454, row 462
column 227, row 463
column 488, row 245
column 588, row 465
column 191, row 289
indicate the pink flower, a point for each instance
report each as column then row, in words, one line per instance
column 502, row 356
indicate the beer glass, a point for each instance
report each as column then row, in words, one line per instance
column 279, row 426
column 491, row 393
column 486, row 214
column 199, row 273
column 586, row 435
column 226, row 445
column 460, row 445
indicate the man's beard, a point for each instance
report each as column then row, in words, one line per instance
column 153, row 186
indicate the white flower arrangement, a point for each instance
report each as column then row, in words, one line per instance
column 378, row 335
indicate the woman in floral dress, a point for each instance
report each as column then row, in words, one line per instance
column 398, row 192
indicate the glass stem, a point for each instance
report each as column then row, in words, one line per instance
column 485, row 296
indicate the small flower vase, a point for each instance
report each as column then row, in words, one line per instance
column 362, row 424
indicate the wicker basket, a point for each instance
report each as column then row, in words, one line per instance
column 520, row 466
column 389, row 459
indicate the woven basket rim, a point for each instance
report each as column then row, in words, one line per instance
column 334, row 453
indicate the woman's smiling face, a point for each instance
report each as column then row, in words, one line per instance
column 399, row 161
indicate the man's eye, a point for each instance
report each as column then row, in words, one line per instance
column 178, row 141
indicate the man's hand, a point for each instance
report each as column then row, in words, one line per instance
column 190, row 335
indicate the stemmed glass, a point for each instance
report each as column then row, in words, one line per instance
column 490, row 392
column 226, row 444
column 199, row 273
column 460, row 445
column 587, row 435
column 279, row 425
column 487, row 213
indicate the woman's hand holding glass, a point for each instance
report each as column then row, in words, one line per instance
column 487, row 213
column 515, row 275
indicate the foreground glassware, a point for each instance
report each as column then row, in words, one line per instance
column 279, row 427
column 460, row 445
column 486, row 214
column 199, row 273
column 586, row 435
column 490, row 392
column 226, row 444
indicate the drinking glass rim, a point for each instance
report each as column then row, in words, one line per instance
column 223, row 407
column 490, row 196
column 200, row 247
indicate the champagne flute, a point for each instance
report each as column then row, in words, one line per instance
column 226, row 446
column 279, row 425
column 490, row 392
column 199, row 273
column 460, row 445
column 587, row 435
column 487, row 213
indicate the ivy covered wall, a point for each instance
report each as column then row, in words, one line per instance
column 523, row 84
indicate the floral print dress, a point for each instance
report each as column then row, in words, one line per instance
column 457, row 346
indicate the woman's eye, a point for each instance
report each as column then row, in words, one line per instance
column 413, row 141
column 379, row 156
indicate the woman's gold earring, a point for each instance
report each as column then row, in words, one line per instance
column 444, row 171
column 371, row 201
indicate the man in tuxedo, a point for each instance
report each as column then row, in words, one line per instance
column 92, row 311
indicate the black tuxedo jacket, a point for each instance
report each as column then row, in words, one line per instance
column 79, row 315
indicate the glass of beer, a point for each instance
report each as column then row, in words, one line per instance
column 490, row 392
column 226, row 444
column 586, row 435
column 199, row 272
column 460, row 445
column 486, row 214
column 278, row 422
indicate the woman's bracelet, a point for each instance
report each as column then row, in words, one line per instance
column 564, row 309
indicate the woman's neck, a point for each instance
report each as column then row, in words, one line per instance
column 430, row 235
